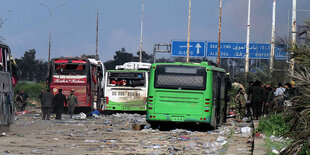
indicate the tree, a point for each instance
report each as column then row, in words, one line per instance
column 31, row 68
column 299, row 113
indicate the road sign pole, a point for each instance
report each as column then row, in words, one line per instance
column 141, row 37
column 273, row 32
column 219, row 38
column 292, row 65
column 189, row 30
column 247, row 56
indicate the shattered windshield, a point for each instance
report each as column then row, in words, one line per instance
column 70, row 69
column 126, row 79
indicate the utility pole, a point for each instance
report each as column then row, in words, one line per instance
column 219, row 38
column 292, row 64
column 273, row 33
column 189, row 30
column 141, row 37
column 247, row 56
column 51, row 11
column 97, row 38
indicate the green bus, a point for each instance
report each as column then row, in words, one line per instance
column 126, row 87
column 187, row 93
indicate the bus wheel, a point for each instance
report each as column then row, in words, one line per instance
column 155, row 126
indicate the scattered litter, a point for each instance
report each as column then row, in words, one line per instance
column 184, row 138
column 246, row 131
column 275, row 151
column 3, row 134
column 95, row 112
column 37, row 151
column 91, row 141
column 81, row 116
column 277, row 139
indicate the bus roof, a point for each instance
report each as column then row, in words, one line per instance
column 127, row 71
column 202, row 64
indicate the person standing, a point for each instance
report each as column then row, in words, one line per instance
column 41, row 99
column 240, row 101
column 248, row 102
column 268, row 106
column 72, row 101
column 59, row 101
column 279, row 95
column 18, row 102
column 47, row 104
column 257, row 98
column 25, row 97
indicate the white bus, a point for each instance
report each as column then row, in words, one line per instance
column 126, row 87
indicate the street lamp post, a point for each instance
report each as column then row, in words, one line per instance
column 51, row 11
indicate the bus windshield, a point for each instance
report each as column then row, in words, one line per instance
column 180, row 77
column 70, row 69
column 126, row 79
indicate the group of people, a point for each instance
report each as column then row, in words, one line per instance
column 58, row 102
column 260, row 99
column 21, row 100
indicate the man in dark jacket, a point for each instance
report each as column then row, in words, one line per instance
column 268, row 106
column 257, row 98
column 59, row 101
column 47, row 104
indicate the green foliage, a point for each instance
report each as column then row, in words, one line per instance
column 300, row 111
column 32, row 89
column 31, row 69
column 270, row 144
column 274, row 125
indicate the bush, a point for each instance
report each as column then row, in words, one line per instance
column 275, row 124
column 32, row 89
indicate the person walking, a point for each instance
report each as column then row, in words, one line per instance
column 72, row 101
column 25, row 98
column 240, row 101
column 249, row 113
column 41, row 99
column 47, row 104
column 257, row 98
column 59, row 101
column 268, row 104
column 18, row 102
column 279, row 96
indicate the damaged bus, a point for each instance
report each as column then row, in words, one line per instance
column 7, row 80
column 126, row 87
column 187, row 93
column 84, row 76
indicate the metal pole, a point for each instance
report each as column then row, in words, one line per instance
column 248, row 42
column 141, row 37
column 273, row 32
column 189, row 30
column 219, row 38
column 292, row 65
column 97, row 37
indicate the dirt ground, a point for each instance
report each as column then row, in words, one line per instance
column 108, row 134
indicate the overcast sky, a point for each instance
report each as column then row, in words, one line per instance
column 26, row 24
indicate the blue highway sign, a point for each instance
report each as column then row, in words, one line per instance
column 238, row 50
column 197, row 48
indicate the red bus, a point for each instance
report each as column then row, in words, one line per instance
column 84, row 76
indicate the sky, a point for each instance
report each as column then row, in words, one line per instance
column 27, row 23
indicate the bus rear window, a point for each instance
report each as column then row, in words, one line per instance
column 70, row 69
column 126, row 79
column 180, row 77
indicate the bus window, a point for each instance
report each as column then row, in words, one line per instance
column 72, row 69
column 126, row 79
column 180, row 77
